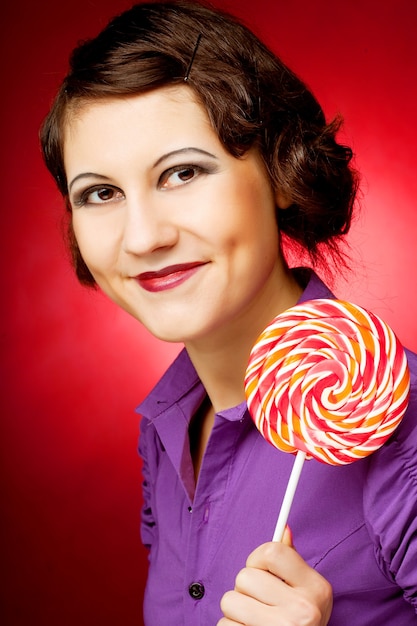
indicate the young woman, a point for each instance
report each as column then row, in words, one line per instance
column 191, row 160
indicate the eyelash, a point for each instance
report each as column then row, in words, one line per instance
column 81, row 199
column 197, row 169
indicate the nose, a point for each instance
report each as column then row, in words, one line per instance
column 147, row 227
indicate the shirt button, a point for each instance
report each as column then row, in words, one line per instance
column 196, row 591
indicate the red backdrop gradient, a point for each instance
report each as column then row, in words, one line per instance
column 74, row 366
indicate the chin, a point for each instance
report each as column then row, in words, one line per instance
column 168, row 335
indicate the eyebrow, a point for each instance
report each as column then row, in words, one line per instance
column 163, row 158
column 86, row 175
column 183, row 151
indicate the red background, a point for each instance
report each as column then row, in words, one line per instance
column 74, row 366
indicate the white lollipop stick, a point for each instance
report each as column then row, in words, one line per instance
column 289, row 496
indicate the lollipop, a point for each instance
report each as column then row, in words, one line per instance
column 326, row 380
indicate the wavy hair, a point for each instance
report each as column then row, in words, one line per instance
column 251, row 97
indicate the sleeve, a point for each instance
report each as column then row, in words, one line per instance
column 390, row 501
column 147, row 526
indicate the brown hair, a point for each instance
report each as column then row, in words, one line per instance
column 251, row 97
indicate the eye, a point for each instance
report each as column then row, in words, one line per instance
column 179, row 175
column 98, row 195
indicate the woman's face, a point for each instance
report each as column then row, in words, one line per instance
column 174, row 229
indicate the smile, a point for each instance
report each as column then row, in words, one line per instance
column 168, row 277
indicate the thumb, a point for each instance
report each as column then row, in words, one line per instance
column 287, row 537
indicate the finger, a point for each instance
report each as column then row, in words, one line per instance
column 225, row 621
column 261, row 585
column 285, row 563
column 232, row 607
column 242, row 609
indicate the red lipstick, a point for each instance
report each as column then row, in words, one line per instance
column 168, row 277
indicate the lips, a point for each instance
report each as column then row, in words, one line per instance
column 168, row 277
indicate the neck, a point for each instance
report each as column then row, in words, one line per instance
column 222, row 358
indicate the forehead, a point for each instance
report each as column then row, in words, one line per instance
column 148, row 122
column 158, row 106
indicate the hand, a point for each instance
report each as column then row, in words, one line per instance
column 277, row 588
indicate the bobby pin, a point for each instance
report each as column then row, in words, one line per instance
column 197, row 43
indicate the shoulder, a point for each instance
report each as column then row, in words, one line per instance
column 390, row 497
column 403, row 443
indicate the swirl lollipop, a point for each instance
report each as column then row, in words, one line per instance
column 326, row 380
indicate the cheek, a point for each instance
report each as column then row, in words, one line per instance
column 97, row 243
column 257, row 218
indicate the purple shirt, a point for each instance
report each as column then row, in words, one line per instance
column 355, row 524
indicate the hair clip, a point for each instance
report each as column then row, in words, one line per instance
column 197, row 43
